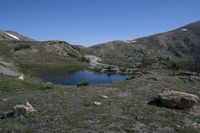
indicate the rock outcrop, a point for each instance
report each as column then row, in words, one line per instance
column 177, row 99
column 18, row 111
column 21, row 110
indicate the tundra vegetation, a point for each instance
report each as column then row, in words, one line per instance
column 165, row 75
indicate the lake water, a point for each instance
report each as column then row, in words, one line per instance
column 76, row 77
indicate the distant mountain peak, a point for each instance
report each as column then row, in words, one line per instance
column 13, row 36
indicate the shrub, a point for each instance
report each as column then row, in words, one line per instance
column 83, row 83
column 47, row 86
column 20, row 47
column 175, row 66
column 84, row 59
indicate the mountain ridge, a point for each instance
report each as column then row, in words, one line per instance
column 173, row 48
column 176, row 49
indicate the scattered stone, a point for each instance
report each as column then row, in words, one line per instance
column 97, row 103
column 4, row 100
column 194, row 79
column 195, row 111
column 189, row 74
column 196, row 125
column 156, row 78
column 177, row 99
column 104, row 96
column 21, row 110
column 138, row 118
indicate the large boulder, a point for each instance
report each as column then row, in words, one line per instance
column 177, row 99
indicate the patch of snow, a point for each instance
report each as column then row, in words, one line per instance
column 184, row 29
column 21, row 77
column 12, row 36
column 130, row 41
column 97, row 103
column 133, row 41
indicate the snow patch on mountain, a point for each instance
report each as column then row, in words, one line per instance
column 13, row 36
column 130, row 41
column 184, row 29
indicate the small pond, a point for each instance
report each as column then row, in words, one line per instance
column 75, row 77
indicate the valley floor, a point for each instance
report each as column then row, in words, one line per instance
column 72, row 109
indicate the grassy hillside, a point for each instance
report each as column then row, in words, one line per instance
column 30, row 56
column 176, row 49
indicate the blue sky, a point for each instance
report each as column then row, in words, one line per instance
column 88, row 22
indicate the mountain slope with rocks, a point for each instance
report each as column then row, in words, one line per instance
column 177, row 49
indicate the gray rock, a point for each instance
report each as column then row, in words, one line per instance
column 4, row 100
column 189, row 74
column 177, row 99
column 97, row 103
column 21, row 110
column 155, row 78
column 104, row 96
column 195, row 111
column 194, row 78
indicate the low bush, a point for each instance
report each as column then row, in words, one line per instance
column 21, row 47
column 83, row 83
